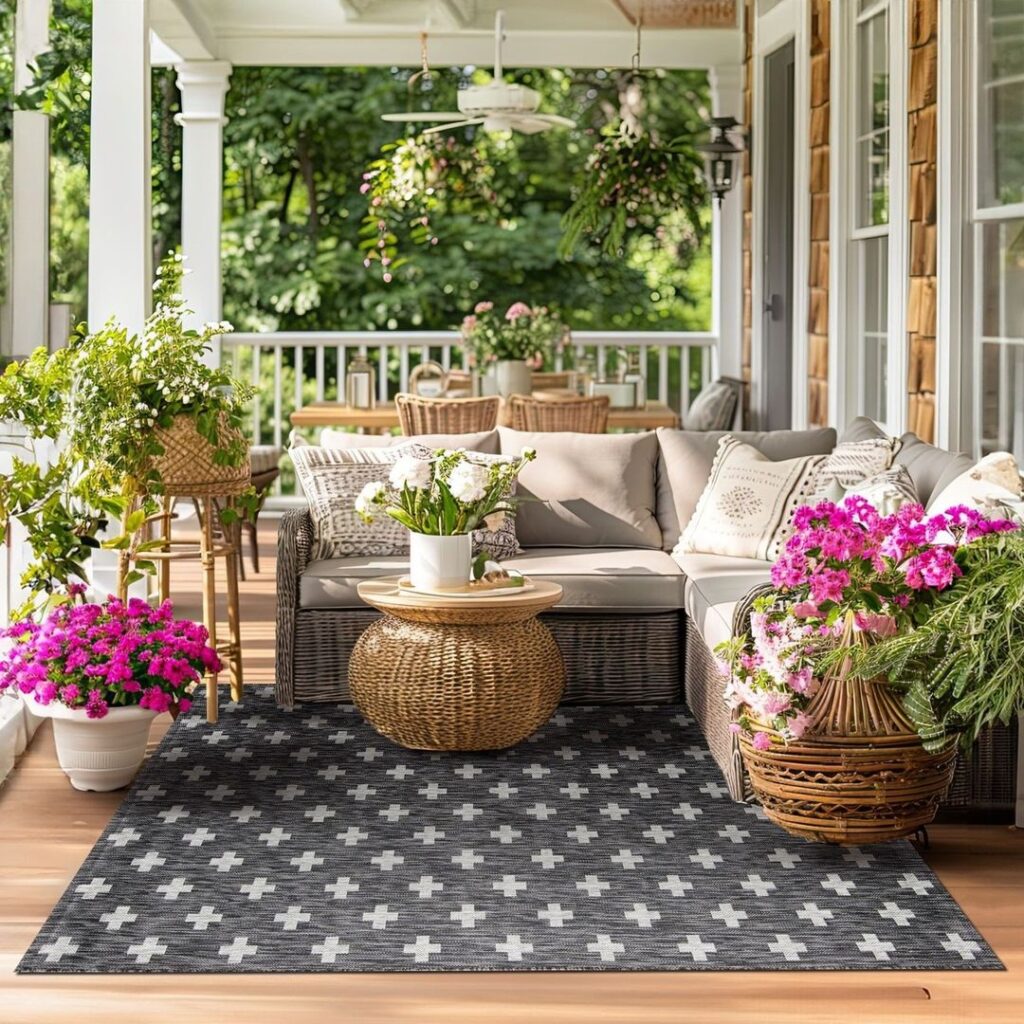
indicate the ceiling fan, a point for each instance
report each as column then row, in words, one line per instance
column 497, row 106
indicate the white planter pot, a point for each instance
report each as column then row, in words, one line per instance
column 439, row 561
column 98, row 754
column 513, row 377
column 488, row 383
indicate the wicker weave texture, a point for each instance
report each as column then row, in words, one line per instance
column 187, row 467
column 580, row 415
column 437, row 686
column 446, row 415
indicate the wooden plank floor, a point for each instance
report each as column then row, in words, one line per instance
column 46, row 830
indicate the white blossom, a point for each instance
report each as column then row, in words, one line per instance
column 411, row 472
column 368, row 497
column 468, row 482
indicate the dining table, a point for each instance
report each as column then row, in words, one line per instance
column 383, row 417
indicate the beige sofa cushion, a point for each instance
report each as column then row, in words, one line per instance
column 685, row 459
column 590, row 490
column 639, row 580
column 991, row 485
column 714, row 584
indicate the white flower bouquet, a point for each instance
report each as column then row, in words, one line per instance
column 446, row 493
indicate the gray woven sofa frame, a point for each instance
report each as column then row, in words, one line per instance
column 657, row 658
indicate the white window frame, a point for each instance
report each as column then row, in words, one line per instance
column 979, row 216
column 846, row 376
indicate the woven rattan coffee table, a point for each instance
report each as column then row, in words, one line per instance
column 474, row 673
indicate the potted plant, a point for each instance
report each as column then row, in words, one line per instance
column 102, row 672
column 513, row 343
column 441, row 500
column 130, row 416
column 831, row 750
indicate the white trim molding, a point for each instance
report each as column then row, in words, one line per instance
column 787, row 20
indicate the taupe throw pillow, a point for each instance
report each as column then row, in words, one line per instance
column 713, row 408
column 748, row 504
column 586, row 490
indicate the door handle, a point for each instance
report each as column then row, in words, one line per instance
column 774, row 307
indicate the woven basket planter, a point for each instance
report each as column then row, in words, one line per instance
column 187, row 467
column 859, row 775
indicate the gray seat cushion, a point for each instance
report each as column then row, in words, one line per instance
column 604, row 580
column 929, row 467
column 685, row 460
column 714, row 584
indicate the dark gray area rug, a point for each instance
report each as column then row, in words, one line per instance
column 303, row 841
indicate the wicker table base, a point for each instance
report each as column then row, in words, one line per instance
column 456, row 674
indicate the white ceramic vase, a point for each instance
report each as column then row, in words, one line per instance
column 439, row 561
column 513, row 377
column 97, row 754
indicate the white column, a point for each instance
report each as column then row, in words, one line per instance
column 30, row 180
column 203, row 85
column 120, row 203
column 726, row 83
column 120, row 200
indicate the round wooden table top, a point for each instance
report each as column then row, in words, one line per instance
column 502, row 606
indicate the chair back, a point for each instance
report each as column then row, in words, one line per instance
column 446, row 415
column 581, row 415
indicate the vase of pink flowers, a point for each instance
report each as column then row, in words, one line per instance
column 832, row 754
column 102, row 673
column 506, row 347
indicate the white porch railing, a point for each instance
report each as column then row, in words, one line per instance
column 677, row 364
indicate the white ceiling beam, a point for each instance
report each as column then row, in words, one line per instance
column 373, row 45
column 183, row 27
column 355, row 9
column 460, row 13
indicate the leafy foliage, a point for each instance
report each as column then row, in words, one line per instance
column 963, row 664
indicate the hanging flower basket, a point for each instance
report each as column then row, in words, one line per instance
column 858, row 775
column 190, row 465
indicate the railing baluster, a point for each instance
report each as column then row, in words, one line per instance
column 257, row 397
column 382, row 373
column 278, row 355
column 643, row 369
column 320, row 373
column 403, row 368
column 298, row 377
column 663, row 374
column 340, row 374
column 684, row 381
column 600, row 361
column 446, row 357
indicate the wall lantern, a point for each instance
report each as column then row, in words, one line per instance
column 720, row 154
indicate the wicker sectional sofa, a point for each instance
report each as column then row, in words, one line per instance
column 636, row 624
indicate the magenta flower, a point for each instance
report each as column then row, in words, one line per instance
column 762, row 741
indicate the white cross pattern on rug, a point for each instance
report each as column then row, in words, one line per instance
column 380, row 917
column 696, row 947
column 97, row 887
column 330, row 949
column 729, row 915
column 954, row 942
column 897, row 914
column 203, row 918
column 239, row 948
column 789, row 949
column 554, row 915
column 513, row 947
column 870, row 943
column 54, row 951
column 144, row 951
column 291, row 918
column 341, row 888
column 818, row 916
column 606, row 948
column 642, row 916
column 422, row 949
column 468, row 916
column 119, row 916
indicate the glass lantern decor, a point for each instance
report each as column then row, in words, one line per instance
column 720, row 154
column 360, row 383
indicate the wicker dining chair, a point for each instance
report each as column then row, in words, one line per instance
column 446, row 415
column 581, row 415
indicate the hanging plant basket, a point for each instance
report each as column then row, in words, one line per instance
column 859, row 775
column 189, row 466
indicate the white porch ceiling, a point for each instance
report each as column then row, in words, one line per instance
column 581, row 33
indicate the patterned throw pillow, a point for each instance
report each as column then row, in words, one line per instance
column 888, row 491
column 712, row 409
column 331, row 479
column 854, row 461
column 748, row 504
